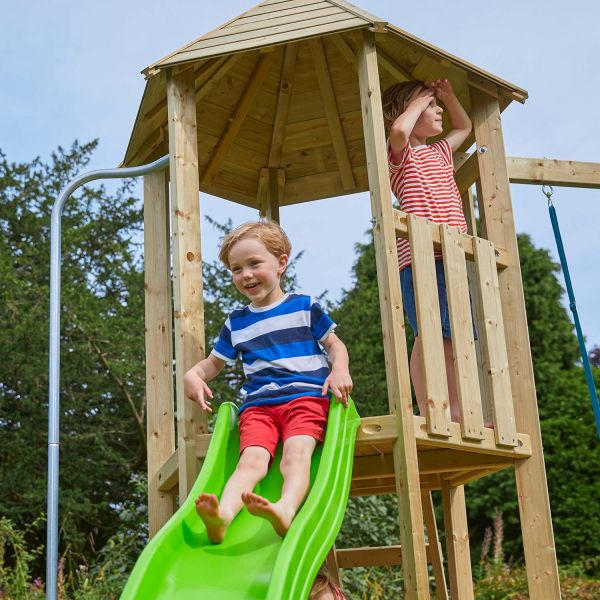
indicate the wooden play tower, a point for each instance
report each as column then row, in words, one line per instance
column 283, row 105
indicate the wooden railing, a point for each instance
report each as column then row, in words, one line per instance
column 481, row 366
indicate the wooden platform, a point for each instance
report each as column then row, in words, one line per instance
column 451, row 458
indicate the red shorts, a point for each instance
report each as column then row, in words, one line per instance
column 265, row 425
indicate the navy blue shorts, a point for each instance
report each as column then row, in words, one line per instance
column 408, row 299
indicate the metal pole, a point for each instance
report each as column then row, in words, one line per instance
column 54, row 355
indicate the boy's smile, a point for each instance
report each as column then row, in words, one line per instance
column 256, row 272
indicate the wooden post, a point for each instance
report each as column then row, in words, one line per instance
column 159, row 344
column 414, row 558
column 435, row 548
column 457, row 542
column 496, row 210
column 270, row 192
column 187, row 265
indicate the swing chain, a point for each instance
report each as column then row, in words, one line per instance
column 548, row 190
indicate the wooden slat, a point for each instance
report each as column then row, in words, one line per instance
column 569, row 173
column 393, row 68
column 493, row 344
column 283, row 104
column 260, row 13
column 457, row 542
column 466, row 241
column 284, row 33
column 187, row 266
column 467, row 173
column 430, row 326
column 238, row 117
column 461, row 327
column 224, row 66
column 168, row 474
column 345, row 50
column 496, row 212
column 159, row 345
column 332, row 113
column 333, row 567
column 412, row 535
column 435, row 548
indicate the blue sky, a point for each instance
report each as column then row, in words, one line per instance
column 71, row 70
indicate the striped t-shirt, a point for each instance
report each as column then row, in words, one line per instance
column 279, row 348
column 423, row 182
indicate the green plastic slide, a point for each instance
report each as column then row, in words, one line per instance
column 253, row 562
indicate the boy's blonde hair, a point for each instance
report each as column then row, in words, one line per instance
column 268, row 232
column 395, row 100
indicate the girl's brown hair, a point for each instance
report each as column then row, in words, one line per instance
column 268, row 232
column 395, row 100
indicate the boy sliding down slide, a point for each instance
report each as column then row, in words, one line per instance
column 278, row 337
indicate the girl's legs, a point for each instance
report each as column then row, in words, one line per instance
column 217, row 515
column 418, row 377
column 295, row 468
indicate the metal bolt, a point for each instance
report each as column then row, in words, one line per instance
column 483, row 150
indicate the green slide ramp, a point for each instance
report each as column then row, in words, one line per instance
column 253, row 562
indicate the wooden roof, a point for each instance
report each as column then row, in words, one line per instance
column 278, row 86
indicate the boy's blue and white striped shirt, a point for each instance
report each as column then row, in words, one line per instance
column 279, row 348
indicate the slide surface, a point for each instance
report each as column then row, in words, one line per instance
column 253, row 562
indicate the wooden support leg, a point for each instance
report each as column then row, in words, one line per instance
column 406, row 468
column 159, row 345
column 457, row 542
column 435, row 548
column 332, row 567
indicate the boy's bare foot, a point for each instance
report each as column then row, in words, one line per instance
column 207, row 507
column 261, row 507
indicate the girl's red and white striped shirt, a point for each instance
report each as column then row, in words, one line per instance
column 423, row 182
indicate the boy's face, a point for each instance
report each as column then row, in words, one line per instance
column 256, row 272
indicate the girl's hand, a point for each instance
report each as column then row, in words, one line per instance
column 422, row 100
column 340, row 383
column 442, row 89
column 197, row 389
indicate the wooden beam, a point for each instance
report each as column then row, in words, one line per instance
column 567, row 173
column 412, row 534
column 466, row 241
column 457, row 542
column 392, row 67
column 159, row 344
column 434, row 546
column 467, row 173
column 332, row 113
column 168, row 474
column 205, row 86
column 496, row 211
column 187, row 266
column 283, row 104
column 374, row 556
column 345, row 50
column 271, row 183
column 239, row 114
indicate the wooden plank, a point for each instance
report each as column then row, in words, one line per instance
column 224, row 66
column 261, row 13
column 467, row 173
column 430, row 326
column 282, row 34
column 493, row 344
column 333, row 567
column 238, row 117
column 467, row 242
column 392, row 67
column 496, row 212
column 270, row 192
column 568, row 173
column 412, row 535
column 187, row 266
column 461, row 326
column 159, row 344
column 381, row 556
column 168, row 474
column 468, row 476
column 332, row 114
column 344, row 49
column 283, row 104
column 457, row 542
column 435, row 548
